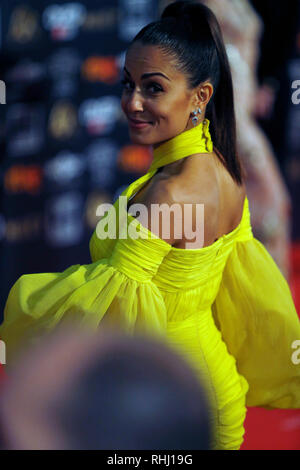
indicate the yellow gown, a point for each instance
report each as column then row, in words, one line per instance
column 226, row 307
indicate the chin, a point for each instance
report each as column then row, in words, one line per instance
column 140, row 139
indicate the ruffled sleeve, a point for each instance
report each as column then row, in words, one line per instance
column 255, row 313
column 117, row 290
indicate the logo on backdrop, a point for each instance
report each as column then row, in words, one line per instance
column 99, row 116
column 25, row 129
column 64, row 21
column 62, row 120
column 26, row 71
column 23, row 26
column 101, row 69
column 65, row 168
column 134, row 158
column 93, row 201
column 100, row 20
column 64, row 219
column 133, row 16
column 23, row 179
column 23, row 229
column 64, row 67
column 101, row 159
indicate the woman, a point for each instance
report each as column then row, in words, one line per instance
column 215, row 294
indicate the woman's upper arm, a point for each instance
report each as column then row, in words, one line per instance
column 154, row 213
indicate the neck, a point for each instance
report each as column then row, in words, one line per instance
column 189, row 142
column 189, row 127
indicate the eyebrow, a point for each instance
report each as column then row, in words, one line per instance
column 146, row 75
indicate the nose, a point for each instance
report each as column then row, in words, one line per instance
column 134, row 102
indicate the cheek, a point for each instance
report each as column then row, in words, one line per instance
column 180, row 105
column 123, row 103
column 172, row 107
column 162, row 109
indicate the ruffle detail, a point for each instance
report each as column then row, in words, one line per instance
column 256, row 315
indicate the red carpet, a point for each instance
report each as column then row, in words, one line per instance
column 2, row 375
column 272, row 430
column 276, row 429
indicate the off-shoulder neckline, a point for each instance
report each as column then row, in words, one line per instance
column 225, row 236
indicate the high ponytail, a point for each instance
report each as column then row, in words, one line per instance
column 191, row 34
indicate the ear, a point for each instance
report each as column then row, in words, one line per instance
column 203, row 94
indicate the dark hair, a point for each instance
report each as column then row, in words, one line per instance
column 139, row 395
column 190, row 33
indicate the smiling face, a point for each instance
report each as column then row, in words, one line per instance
column 162, row 100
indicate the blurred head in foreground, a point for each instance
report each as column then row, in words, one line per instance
column 104, row 391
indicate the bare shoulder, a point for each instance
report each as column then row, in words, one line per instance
column 178, row 214
column 192, row 208
column 199, row 201
column 205, row 182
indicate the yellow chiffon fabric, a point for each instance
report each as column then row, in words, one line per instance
column 226, row 307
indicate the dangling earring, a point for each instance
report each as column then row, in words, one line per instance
column 195, row 118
